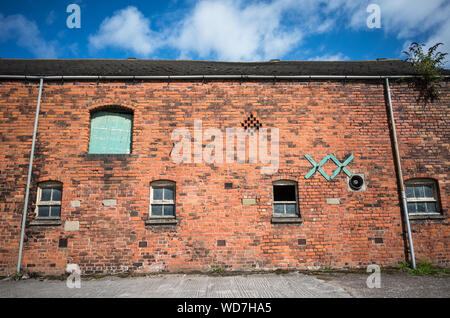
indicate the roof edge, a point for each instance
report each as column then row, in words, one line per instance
column 187, row 77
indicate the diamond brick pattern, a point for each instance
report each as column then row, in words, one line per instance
column 251, row 124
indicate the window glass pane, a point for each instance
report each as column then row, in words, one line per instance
column 428, row 191
column 46, row 194
column 421, row 207
column 284, row 193
column 44, row 210
column 290, row 208
column 410, row 192
column 157, row 193
column 431, row 207
column 110, row 133
column 99, row 133
column 418, row 191
column 412, row 208
column 156, row 209
column 278, row 208
column 168, row 193
column 55, row 210
column 56, row 195
column 168, row 210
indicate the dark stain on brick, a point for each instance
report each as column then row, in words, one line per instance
column 63, row 242
column 378, row 240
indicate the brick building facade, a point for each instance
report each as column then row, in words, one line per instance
column 219, row 214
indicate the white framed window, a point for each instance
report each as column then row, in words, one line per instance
column 285, row 198
column 162, row 199
column 422, row 196
column 48, row 202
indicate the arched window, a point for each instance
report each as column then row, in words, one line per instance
column 285, row 199
column 111, row 131
column 49, row 197
column 422, row 196
column 162, row 199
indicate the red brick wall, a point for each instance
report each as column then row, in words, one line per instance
column 424, row 141
column 315, row 118
column 16, row 129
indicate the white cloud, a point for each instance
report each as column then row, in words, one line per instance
column 326, row 25
column 260, row 30
column 26, row 34
column 51, row 17
column 442, row 35
column 405, row 18
column 330, row 57
column 413, row 19
column 410, row 17
column 127, row 29
column 229, row 30
column 226, row 30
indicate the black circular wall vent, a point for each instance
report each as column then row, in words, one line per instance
column 356, row 182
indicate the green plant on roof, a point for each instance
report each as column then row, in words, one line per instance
column 428, row 65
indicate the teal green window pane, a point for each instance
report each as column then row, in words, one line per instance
column 110, row 133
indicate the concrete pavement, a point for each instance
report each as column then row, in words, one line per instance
column 270, row 285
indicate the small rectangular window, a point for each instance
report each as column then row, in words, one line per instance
column 48, row 203
column 162, row 199
column 422, row 196
column 285, row 198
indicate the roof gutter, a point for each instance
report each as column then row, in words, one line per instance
column 203, row 77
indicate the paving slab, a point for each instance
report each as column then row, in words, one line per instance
column 293, row 285
column 392, row 285
column 290, row 285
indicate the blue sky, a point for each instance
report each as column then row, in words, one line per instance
column 227, row 30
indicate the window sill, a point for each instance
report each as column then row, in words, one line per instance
column 435, row 216
column 161, row 221
column 286, row 219
column 112, row 156
column 45, row 222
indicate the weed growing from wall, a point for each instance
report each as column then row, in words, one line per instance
column 428, row 66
